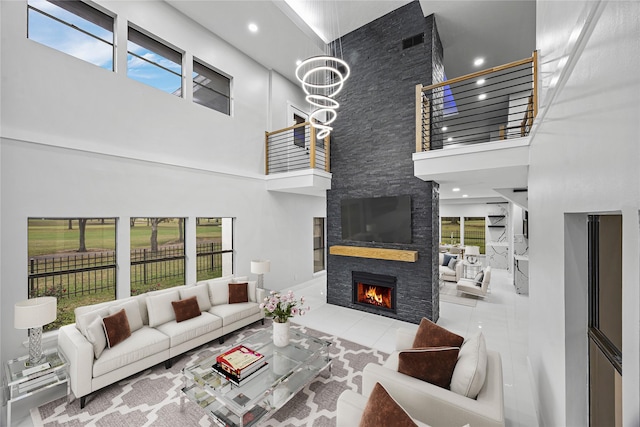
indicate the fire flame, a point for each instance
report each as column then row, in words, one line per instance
column 373, row 296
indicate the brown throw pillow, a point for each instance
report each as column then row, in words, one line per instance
column 382, row 411
column 238, row 293
column 116, row 328
column 186, row 309
column 434, row 365
column 431, row 335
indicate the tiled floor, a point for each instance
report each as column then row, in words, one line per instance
column 502, row 317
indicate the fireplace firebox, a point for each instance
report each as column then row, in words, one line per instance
column 374, row 290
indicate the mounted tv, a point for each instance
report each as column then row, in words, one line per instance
column 377, row 219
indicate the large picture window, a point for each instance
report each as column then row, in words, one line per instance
column 474, row 232
column 74, row 260
column 450, row 230
column 157, row 254
column 72, row 27
column 214, row 247
column 210, row 88
column 152, row 62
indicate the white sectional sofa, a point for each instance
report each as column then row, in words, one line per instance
column 156, row 336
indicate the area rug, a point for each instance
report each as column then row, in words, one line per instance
column 449, row 293
column 152, row 397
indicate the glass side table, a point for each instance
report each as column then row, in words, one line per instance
column 23, row 381
column 470, row 270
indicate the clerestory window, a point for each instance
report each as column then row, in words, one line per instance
column 210, row 88
column 154, row 63
column 72, row 27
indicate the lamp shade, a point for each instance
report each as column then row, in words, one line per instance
column 472, row 250
column 260, row 266
column 35, row 312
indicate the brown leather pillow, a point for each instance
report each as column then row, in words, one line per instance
column 431, row 335
column 238, row 293
column 116, row 328
column 434, row 365
column 382, row 410
column 186, row 309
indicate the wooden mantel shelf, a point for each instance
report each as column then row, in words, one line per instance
column 375, row 253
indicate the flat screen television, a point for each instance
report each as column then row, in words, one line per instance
column 377, row 219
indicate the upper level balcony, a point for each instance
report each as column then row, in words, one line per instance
column 474, row 129
column 293, row 164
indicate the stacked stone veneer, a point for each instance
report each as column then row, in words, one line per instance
column 371, row 156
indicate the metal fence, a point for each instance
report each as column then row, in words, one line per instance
column 209, row 260
column 78, row 274
column 72, row 275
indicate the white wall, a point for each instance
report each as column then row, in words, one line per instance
column 77, row 140
column 584, row 158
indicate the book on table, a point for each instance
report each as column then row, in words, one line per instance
column 240, row 361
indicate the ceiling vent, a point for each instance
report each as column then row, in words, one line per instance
column 412, row 41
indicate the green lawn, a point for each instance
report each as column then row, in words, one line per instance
column 474, row 232
column 52, row 236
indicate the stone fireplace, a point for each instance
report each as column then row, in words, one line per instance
column 372, row 144
column 374, row 290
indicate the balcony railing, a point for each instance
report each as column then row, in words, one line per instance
column 494, row 104
column 292, row 149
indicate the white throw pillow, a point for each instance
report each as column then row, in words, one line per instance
column 84, row 320
column 219, row 290
column 240, row 279
column 160, row 308
column 132, row 309
column 95, row 335
column 201, row 292
column 471, row 368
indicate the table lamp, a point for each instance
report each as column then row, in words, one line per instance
column 260, row 267
column 472, row 253
column 32, row 314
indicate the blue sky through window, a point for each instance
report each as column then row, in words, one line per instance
column 153, row 75
column 64, row 38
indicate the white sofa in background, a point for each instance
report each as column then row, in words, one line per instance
column 428, row 403
column 450, row 274
column 156, row 337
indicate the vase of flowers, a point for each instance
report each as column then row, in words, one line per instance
column 282, row 307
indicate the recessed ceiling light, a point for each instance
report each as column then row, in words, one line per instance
column 253, row 28
column 449, row 139
column 444, row 128
column 298, row 62
column 482, row 96
column 480, row 82
column 465, row 195
column 456, row 189
column 478, row 62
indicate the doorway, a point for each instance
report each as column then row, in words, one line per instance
column 605, row 319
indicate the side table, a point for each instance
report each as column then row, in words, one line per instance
column 23, row 381
column 470, row 270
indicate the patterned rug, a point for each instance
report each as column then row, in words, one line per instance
column 449, row 293
column 152, row 397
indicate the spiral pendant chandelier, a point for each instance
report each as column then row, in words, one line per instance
column 322, row 78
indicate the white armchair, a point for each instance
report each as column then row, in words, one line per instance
column 434, row 405
column 470, row 286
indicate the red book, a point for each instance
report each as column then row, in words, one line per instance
column 238, row 359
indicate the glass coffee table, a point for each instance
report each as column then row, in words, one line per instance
column 289, row 369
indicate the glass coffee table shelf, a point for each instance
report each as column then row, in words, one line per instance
column 289, row 369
